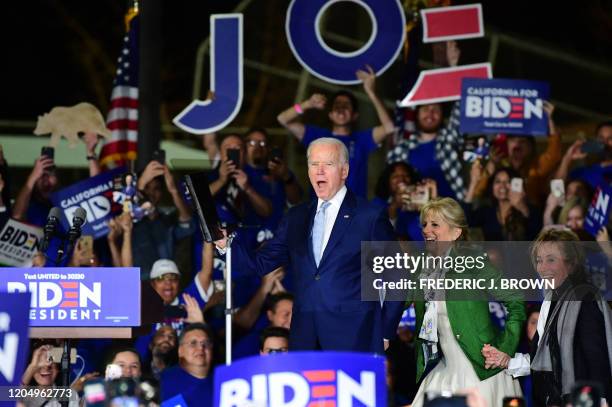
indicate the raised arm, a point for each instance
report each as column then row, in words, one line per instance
column 246, row 317
column 126, row 224
column 262, row 205
column 91, row 141
column 183, row 210
column 114, row 231
column 22, row 202
column 386, row 126
column 205, row 274
column 572, row 154
column 288, row 117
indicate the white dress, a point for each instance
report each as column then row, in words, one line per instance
column 455, row 372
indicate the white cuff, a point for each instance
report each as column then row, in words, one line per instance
column 204, row 294
column 519, row 365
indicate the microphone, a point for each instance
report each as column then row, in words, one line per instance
column 53, row 220
column 78, row 220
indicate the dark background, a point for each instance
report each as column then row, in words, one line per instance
column 61, row 52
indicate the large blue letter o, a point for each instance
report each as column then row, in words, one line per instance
column 302, row 27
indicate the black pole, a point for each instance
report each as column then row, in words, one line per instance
column 149, row 81
column 65, row 367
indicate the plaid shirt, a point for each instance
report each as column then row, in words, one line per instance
column 449, row 141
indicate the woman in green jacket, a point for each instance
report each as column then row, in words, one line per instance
column 452, row 333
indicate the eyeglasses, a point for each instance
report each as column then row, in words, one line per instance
column 167, row 277
column 207, row 344
column 254, row 143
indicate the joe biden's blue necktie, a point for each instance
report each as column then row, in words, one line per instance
column 318, row 231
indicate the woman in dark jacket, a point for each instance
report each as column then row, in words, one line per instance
column 574, row 331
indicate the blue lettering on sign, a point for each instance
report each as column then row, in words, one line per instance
column 207, row 116
column 304, row 35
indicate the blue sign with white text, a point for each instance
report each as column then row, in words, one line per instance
column 341, row 379
column 95, row 195
column 598, row 213
column 504, row 106
column 73, row 296
column 13, row 337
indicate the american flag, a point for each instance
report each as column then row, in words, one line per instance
column 122, row 118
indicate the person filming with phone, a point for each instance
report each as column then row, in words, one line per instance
column 506, row 215
column 33, row 201
column 154, row 236
column 237, row 192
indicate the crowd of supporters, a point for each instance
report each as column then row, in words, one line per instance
column 253, row 185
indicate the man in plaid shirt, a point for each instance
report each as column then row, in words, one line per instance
column 433, row 150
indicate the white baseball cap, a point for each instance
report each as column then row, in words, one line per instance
column 163, row 266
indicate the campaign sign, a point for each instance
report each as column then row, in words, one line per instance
column 302, row 379
column 72, row 296
column 95, row 195
column 598, row 213
column 18, row 243
column 13, row 337
column 504, row 106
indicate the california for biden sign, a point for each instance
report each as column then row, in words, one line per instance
column 504, row 106
column 76, row 296
column 301, row 379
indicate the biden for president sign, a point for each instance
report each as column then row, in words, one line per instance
column 504, row 106
column 302, row 379
column 77, row 296
column 598, row 213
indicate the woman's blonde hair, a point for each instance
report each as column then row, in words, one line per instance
column 450, row 211
column 569, row 205
column 569, row 247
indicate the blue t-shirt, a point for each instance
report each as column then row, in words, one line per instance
column 423, row 159
column 195, row 391
column 359, row 144
column 595, row 175
column 274, row 191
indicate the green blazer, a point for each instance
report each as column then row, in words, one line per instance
column 471, row 323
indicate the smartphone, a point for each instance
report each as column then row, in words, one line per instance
column 276, row 154
column 557, row 187
column 86, row 246
column 159, row 156
column 233, row 155
column 513, row 402
column 112, row 371
column 48, row 152
column 592, row 147
column 516, row 184
column 420, row 196
column 94, row 393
